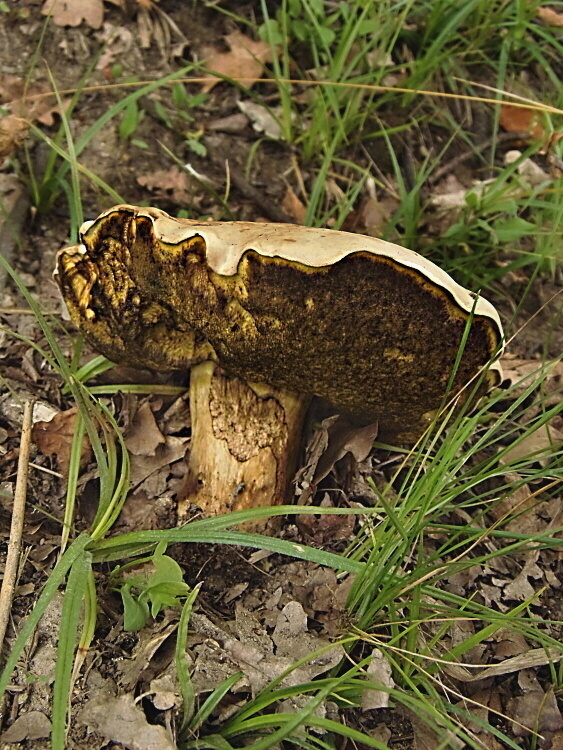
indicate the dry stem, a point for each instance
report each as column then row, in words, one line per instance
column 16, row 530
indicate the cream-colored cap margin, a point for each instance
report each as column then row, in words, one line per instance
column 227, row 241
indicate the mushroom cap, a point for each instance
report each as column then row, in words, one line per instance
column 370, row 326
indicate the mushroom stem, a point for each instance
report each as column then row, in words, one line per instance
column 245, row 443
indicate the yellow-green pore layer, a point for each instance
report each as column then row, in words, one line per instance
column 376, row 338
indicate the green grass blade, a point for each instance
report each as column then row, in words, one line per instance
column 68, row 640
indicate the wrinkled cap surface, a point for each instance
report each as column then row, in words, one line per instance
column 368, row 325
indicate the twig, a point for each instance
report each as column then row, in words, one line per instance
column 16, row 530
column 450, row 165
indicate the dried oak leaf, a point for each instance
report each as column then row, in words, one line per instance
column 244, row 60
column 13, row 132
column 73, row 12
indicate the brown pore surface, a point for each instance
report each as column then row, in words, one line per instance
column 376, row 338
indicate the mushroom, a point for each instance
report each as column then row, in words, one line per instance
column 267, row 315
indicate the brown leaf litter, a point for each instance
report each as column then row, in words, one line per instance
column 245, row 59
column 119, row 719
column 54, row 438
column 13, row 132
column 33, row 102
column 169, row 184
column 74, row 12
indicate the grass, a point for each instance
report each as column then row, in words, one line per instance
column 449, row 506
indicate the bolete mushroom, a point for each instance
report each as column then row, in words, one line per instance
column 266, row 315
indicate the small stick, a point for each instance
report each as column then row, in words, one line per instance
column 16, row 530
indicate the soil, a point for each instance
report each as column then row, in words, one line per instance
column 233, row 581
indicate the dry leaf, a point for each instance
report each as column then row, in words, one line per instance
column 531, row 173
column 427, row 737
column 530, row 371
column 32, row 725
column 516, row 119
column 293, row 206
column 13, row 132
column 550, row 16
column 379, row 671
column 263, row 119
column 55, row 438
column 39, row 103
column 143, row 436
column 121, row 720
column 143, row 466
column 534, row 708
column 542, row 443
column 168, row 183
column 373, row 215
column 245, row 60
column 73, row 12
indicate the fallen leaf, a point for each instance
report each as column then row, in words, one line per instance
column 143, row 436
column 117, row 42
column 427, row 737
column 121, row 720
column 264, row 120
column 143, row 466
column 550, row 16
column 13, row 132
column 542, row 444
column 522, row 120
column 532, row 174
column 535, row 709
column 521, row 373
column 55, row 438
column 244, row 60
column 335, row 438
column 168, row 183
column 520, row 587
column 373, row 215
column 73, row 12
column 34, row 102
column 379, row 671
column 33, row 725
column 293, row 206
